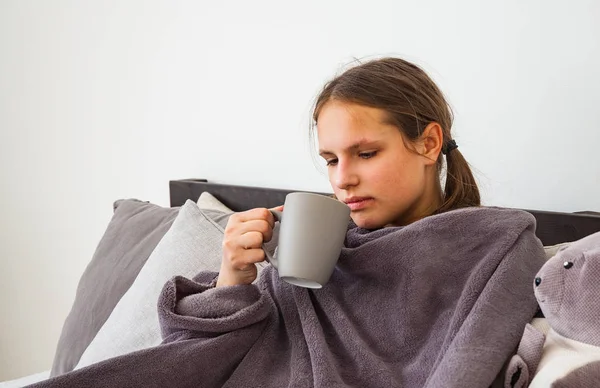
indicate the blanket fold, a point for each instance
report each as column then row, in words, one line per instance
column 197, row 306
column 438, row 303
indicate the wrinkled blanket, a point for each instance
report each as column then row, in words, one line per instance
column 438, row 303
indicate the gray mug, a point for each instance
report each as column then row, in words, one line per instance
column 311, row 236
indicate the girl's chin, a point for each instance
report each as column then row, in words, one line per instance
column 367, row 222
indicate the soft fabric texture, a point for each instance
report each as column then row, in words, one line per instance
column 192, row 244
column 133, row 324
column 208, row 201
column 130, row 237
column 552, row 250
column 132, row 234
column 439, row 303
column 568, row 293
column 561, row 357
column 587, row 376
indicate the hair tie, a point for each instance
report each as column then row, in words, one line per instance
column 450, row 145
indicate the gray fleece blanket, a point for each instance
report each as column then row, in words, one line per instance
column 439, row 303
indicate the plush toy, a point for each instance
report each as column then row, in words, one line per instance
column 566, row 351
column 587, row 376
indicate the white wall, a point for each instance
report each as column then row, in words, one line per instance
column 110, row 99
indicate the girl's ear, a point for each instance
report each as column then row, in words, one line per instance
column 431, row 142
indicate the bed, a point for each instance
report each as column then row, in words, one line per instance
column 125, row 277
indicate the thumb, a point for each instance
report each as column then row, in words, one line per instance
column 278, row 208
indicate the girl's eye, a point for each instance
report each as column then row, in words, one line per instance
column 367, row 155
column 332, row 162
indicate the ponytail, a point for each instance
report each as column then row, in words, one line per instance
column 461, row 189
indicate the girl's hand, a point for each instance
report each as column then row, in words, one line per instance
column 242, row 245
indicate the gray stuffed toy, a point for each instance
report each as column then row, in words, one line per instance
column 588, row 376
column 566, row 351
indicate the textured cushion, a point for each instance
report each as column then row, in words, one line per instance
column 131, row 236
column 552, row 250
column 208, row 201
column 217, row 211
column 191, row 245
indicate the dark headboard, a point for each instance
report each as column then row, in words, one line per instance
column 552, row 227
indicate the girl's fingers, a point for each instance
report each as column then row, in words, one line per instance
column 254, row 214
column 260, row 226
column 254, row 255
column 243, row 251
column 250, row 240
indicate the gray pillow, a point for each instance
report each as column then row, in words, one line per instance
column 132, row 234
column 192, row 244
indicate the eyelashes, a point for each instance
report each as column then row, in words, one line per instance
column 367, row 155
column 362, row 155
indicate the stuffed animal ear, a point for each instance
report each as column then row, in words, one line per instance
column 591, row 272
column 585, row 376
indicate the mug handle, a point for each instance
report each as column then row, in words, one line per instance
column 278, row 215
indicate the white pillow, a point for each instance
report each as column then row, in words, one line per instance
column 192, row 244
column 208, row 201
column 27, row 380
column 552, row 250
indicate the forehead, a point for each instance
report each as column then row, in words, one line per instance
column 340, row 123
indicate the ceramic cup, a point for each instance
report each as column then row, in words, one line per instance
column 311, row 236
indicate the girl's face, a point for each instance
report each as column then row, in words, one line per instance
column 370, row 168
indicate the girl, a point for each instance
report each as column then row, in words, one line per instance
column 382, row 129
column 430, row 289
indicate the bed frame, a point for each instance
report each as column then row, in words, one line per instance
column 552, row 227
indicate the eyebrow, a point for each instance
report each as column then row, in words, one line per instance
column 353, row 147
